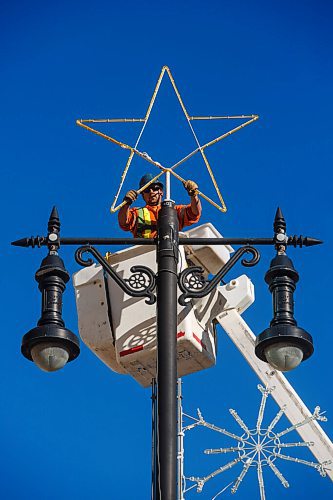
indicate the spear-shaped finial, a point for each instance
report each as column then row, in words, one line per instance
column 53, row 228
column 280, row 236
column 279, row 222
column 54, row 221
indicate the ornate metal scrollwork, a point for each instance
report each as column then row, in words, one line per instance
column 193, row 284
column 140, row 284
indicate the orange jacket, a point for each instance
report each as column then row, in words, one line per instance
column 142, row 222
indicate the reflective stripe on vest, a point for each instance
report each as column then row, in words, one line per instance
column 144, row 224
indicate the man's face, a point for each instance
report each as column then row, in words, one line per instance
column 153, row 195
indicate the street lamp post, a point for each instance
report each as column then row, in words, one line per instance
column 281, row 344
column 167, row 260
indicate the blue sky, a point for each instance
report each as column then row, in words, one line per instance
column 84, row 432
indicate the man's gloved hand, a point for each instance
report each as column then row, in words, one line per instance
column 130, row 196
column 191, row 187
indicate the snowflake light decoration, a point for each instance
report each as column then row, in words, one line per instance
column 256, row 448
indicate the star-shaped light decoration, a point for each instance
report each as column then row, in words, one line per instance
column 135, row 151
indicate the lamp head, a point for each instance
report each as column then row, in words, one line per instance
column 50, row 346
column 284, row 346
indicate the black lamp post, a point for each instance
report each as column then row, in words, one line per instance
column 167, row 260
column 50, row 344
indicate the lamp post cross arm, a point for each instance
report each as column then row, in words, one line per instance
column 39, row 241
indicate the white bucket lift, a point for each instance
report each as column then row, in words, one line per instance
column 210, row 257
column 121, row 330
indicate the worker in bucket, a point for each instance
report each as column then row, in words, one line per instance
column 142, row 222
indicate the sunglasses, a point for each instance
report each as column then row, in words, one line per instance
column 154, row 187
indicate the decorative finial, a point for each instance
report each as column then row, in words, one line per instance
column 54, row 221
column 53, row 228
column 279, row 222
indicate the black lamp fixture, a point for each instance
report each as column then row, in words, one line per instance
column 50, row 344
column 283, row 345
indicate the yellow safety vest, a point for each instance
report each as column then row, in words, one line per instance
column 145, row 225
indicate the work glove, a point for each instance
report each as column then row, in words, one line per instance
column 191, row 187
column 130, row 196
